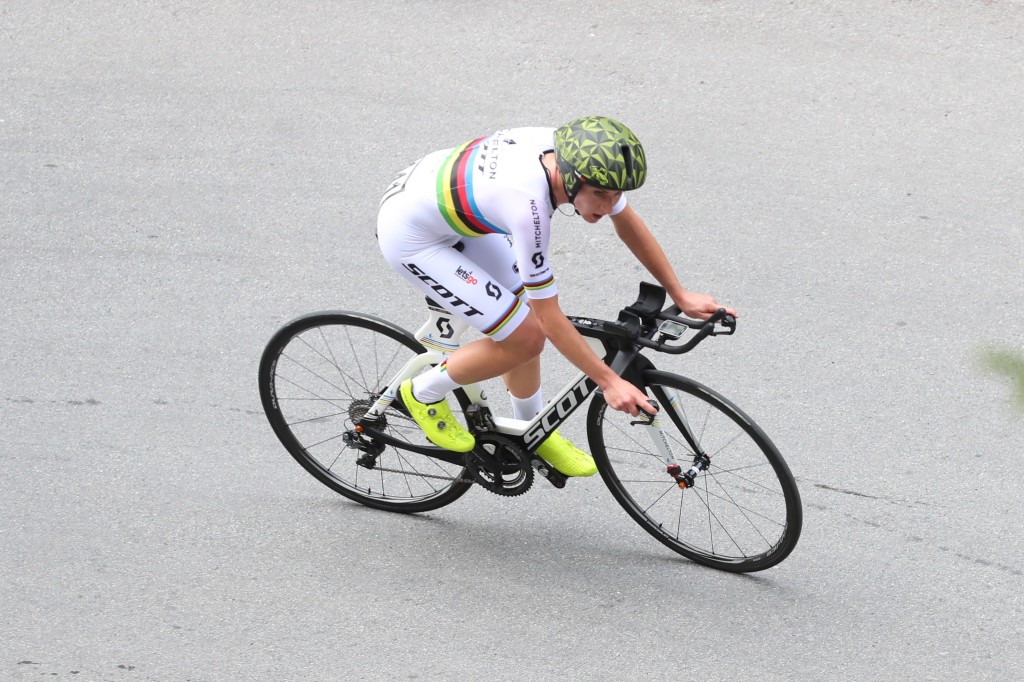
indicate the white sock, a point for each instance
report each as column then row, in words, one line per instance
column 433, row 385
column 527, row 408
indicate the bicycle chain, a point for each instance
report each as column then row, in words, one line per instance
column 520, row 464
column 416, row 473
column 356, row 411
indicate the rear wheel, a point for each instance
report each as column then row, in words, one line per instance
column 742, row 512
column 318, row 375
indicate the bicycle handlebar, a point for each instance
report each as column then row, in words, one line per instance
column 641, row 324
column 673, row 313
column 705, row 329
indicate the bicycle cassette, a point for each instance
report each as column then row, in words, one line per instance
column 500, row 465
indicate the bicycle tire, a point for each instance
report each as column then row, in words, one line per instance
column 316, row 374
column 742, row 514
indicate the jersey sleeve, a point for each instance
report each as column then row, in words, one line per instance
column 529, row 225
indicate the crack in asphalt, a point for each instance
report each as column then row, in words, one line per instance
column 988, row 563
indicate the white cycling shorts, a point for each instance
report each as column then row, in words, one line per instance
column 475, row 278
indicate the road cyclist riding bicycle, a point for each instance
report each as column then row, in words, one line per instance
column 361, row 403
column 469, row 227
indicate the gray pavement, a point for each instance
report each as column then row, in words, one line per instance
column 177, row 180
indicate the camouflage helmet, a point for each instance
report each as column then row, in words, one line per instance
column 599, row 151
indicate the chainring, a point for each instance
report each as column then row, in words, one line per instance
column 516, row 474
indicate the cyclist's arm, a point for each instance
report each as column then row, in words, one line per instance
column 618, row 393
column 635, row 234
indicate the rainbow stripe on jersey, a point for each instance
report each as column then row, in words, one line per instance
column 537, row 286
column 509, row 313
column 455, row 193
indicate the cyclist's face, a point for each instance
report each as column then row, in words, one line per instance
column 594, row 203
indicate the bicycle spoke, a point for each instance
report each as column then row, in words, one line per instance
column 775, row 490
column 315, row 419
column 347, row 389
column 724, row 527
column 661, row 496
column 355, row 354
column 746, row 513
column 743, row 509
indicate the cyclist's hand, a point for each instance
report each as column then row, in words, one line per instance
column 701, row 306
column 625, row 397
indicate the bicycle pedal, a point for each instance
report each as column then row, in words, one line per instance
column 479, row 418
column 553, row 476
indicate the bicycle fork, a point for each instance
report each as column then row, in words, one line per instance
column 652, row 424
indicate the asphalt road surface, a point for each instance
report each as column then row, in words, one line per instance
column 179, row 179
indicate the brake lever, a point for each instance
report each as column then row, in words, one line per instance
column 648, row 417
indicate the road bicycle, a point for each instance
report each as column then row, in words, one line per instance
column 698, row 474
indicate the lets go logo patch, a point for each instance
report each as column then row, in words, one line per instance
column 466, row 276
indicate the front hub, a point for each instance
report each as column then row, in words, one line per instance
column 686, row 479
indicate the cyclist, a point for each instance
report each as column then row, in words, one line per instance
column 470, row 227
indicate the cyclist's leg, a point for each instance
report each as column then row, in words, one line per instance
column 495, row 254
column 449, row 277
column 488, row 358
column 518, row 353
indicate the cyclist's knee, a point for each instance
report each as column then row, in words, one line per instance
column 527, row 341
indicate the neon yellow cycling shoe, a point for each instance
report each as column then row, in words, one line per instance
column 437, row 421
column 566, row 457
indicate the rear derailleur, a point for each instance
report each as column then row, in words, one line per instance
column 370, row 448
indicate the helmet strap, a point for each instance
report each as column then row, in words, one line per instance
column 579, row 186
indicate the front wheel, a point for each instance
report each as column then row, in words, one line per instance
column 742, row 512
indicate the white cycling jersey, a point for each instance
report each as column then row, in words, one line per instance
column 470, row 227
